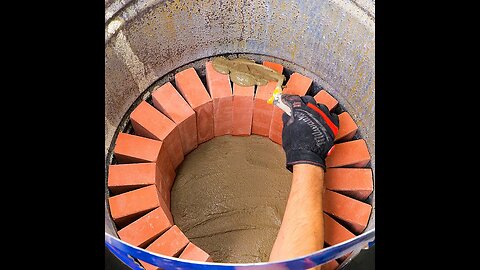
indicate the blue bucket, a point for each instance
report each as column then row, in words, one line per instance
column 126, row 253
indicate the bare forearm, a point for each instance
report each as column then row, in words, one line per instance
column 301, row 231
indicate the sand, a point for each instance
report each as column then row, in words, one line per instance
column 229, row 197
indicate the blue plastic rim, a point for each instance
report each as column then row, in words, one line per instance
column 126, row 253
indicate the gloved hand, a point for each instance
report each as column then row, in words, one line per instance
column 308, row 134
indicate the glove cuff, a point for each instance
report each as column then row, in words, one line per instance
column 303, row 157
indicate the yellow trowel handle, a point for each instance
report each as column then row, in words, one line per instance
column 276, row 99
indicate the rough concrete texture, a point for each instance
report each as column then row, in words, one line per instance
column 330, row 41
column 229, row 197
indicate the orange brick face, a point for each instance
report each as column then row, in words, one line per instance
column 205, row 130
column 221, row 92
column 352, row 154
column 334, row 232
column 274, row 66
column 167, row 100
column 276, row 126
column 347, row 128
column 353, row 182
column 242, row 110
column 192, row 89
column 171, row 243
column 326, row 99
column 262, row 117
column 262, row 111
column 131, row 149
column 354, row 212
column 194, row 253
column 151, row 123
column 297, row 84
column 142, row 231
column 125, row 177
column 128, row 206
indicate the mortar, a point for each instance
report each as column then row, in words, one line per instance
column 332, row 42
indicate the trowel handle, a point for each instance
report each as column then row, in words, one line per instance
column 276, row 99
column 280, row 104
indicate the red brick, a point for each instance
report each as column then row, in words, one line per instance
column 125, row 177
column 353, row 182
column 242, row 109
column 296, row 85
column 331, row 265
column 262, row 111
column 221, row 93
column 128, row 206
column 144, row 230
column 354, row 212
column 167, row 100
column 277, row 67
column 334, row 232
column 326, row 99
column 352, row 153
column 276, row 126
column 133, row 149
column 151, row 123
column 192, row 89
column 171, row 243
column 347, row 127
column 194, row 253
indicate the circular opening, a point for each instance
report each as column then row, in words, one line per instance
column 190, row 198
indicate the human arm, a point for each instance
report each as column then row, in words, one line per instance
column 307, row 139
column 301, row 231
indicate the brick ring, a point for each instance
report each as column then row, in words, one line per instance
column 178, row 119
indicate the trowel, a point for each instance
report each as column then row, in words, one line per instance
column 278, row 101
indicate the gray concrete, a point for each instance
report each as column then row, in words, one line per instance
column 332, row 42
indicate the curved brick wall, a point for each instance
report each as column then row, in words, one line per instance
column 331, row 42
column 183, row 114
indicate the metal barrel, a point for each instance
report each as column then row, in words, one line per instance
column 330, row 41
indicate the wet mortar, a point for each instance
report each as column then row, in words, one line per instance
column 245, row 72
column 229, row 197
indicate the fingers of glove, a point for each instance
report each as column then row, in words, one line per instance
column 333, row 117
column 285, row 118
column 290, row 99
column 308, row 99
column 325, row 117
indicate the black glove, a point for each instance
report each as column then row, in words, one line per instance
column 308, row 134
